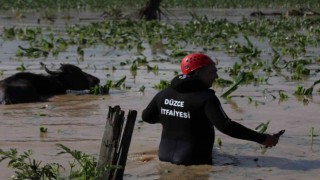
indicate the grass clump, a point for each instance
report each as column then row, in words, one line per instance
column 83, row 165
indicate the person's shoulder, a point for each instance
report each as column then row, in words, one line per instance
column 165, row 91
column 205, row 94
column 211, row 96
column 211, row 92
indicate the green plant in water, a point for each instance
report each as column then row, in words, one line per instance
column 162, row 85
column 223, row 82
column 133, row 70
column 312, row 136
column 80, row 53
column 43, row 132
column 21, row 68
column 300, row 90
column 134, row 67
column 39, row 114
column 299, row 71
column 310, row 89
column 154, row 69
column 61, row 44
column 219, row 142
column 243, row 76
column 262, row 128
column 8, row 33
column 247, row 52
column 140, row 48
column 31, row 52
column 178, row 53
column 119, row 82
column 101, row 90
column 43, row 129
column 45, row 45
column 282, row 96
column 83, row 165
column 140, row 60
column 141, row 89
column 27, row 168
column 235, row 70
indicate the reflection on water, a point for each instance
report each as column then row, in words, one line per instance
column 169, row 171
column 59, row 106
column 154, row 169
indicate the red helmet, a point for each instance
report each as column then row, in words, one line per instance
column 194, row 61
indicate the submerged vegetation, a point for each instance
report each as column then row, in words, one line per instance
column 262, row 48
column 82, row 166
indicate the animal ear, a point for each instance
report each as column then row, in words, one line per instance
column 62, row 66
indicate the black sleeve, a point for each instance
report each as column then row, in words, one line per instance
column 150, row 113
column 224, row 124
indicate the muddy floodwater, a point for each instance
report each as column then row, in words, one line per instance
column 77, row 121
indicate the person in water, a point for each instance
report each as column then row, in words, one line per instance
column 189, row 110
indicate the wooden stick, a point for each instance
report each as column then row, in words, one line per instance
column 109, row 143
column 125, row 144
column 115, row 144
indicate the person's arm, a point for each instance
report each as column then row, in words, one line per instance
column 223, row 123
column 150, row 113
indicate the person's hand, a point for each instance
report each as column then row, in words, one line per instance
column 272, row 140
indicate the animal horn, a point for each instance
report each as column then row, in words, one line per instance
column 51, row 72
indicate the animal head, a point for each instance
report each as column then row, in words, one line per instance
column 72, row 77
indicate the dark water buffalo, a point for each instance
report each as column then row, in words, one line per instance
column 26, row 87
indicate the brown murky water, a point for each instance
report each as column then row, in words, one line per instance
column 77, row 121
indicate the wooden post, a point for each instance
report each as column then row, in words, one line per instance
column 125, row 144
column 115, row 144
